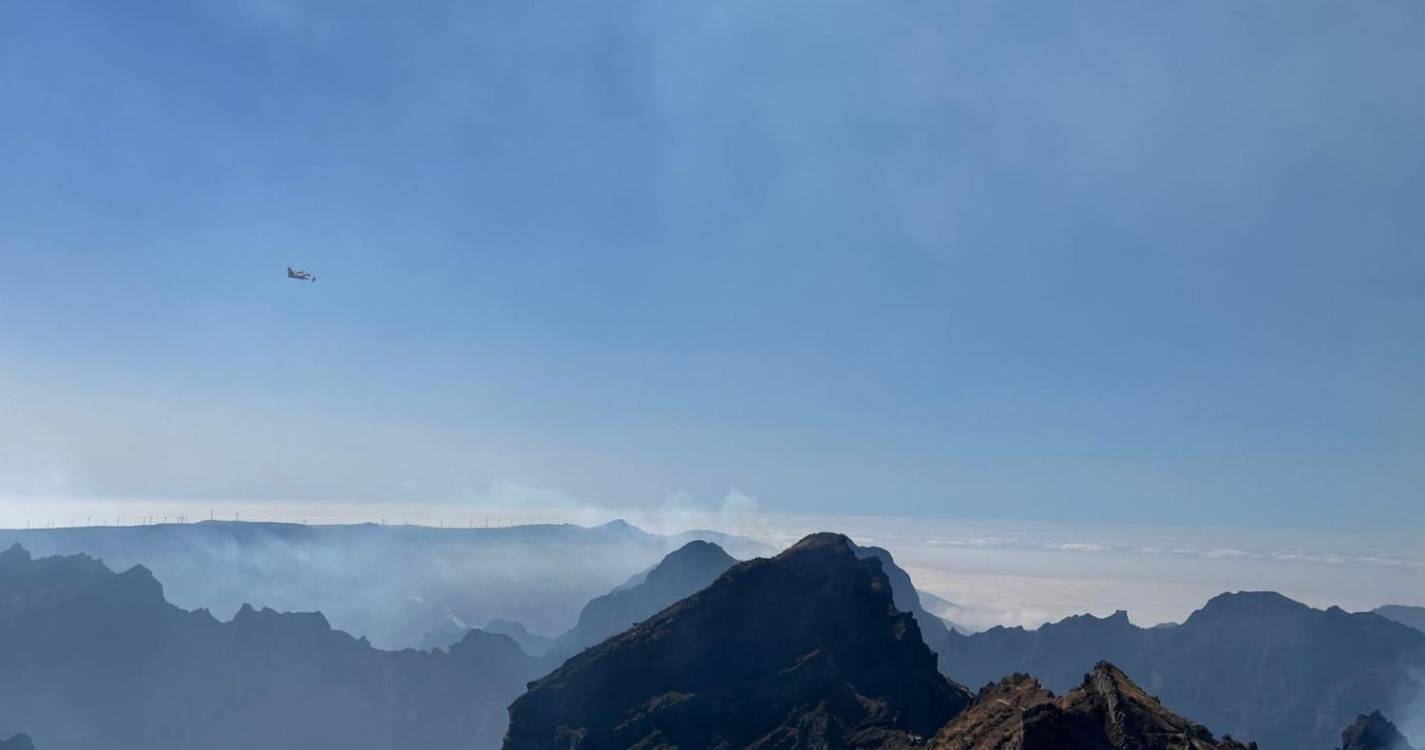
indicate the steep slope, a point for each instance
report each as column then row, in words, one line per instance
column 933, row 630
column 1373, row 731
column 684, row 571
column 1252, row 664
column 1105, row 711
column 806, row 649
column 117, row 667
column 1412, row 616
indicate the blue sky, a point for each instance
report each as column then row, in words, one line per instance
column 1145, row 263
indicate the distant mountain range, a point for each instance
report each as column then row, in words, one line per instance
column 827, row 645
column 806, row 649
column 399, row 586
column 110, row 665
column 1255, row 665
column 811, row 649
column 1412, row 616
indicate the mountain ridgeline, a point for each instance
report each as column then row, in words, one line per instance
column 683, row 572
column 826, row 645
column 806, row 649
column 94, row 660
column 399, row 586
column 1412, row 616
column 1252, row 664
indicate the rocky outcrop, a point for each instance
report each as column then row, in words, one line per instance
column 806, row 649
column 1106, row 711
column 1373, row 731
column 26, row 583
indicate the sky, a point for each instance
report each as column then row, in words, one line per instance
column 1092, row 263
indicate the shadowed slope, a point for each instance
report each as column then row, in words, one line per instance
column 1373, row 731
column 684, row 571
column 805, row 649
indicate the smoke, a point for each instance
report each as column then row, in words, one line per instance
column 397, row 585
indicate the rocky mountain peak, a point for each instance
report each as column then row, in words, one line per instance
column 800, row 650
column 1373, row 731
column 1107, row 710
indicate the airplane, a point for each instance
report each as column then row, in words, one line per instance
column 300, row 275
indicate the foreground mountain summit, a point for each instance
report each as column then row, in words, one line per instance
column 806, row 649
column 1106, row 711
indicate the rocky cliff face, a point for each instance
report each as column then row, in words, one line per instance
column 806, row 649
column 1106, row 711
column 933, row 630
column 1373, row 731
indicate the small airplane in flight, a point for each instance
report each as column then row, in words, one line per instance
column 299, row 274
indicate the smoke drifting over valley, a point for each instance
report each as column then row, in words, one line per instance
column 399, row 586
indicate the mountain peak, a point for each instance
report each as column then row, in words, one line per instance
column 1250, row 604
column 620, row 526
column 787, row 651
column 823, row 539
column 1106, row 711
column 14, row 555
column 1373, row 731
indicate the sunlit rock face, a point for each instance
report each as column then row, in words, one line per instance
column 1107, row 711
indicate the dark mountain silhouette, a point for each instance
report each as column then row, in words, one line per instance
column 26, row 583
column 400, row 586
column 1373, row 732
column 806, row 649
column 1106, row 711
column 685, row 571
column 933, row 630
column 1412, row 616
column 115, row 666
column 1253, row 665
column 18, row 742
column 533, row 644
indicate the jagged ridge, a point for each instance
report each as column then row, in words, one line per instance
column 805, row 649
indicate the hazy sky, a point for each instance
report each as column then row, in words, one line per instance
column 1132, row 262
